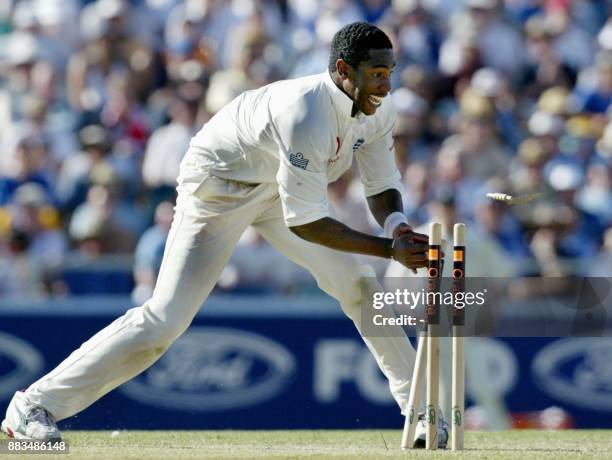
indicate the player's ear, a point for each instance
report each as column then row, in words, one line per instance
column 342, row 68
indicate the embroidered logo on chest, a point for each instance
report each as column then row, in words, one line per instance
column 358, row 143
column 298, row 160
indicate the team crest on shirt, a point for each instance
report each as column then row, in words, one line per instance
column 298, row 160
column 358, row 143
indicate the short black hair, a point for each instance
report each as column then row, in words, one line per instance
column 354, row 41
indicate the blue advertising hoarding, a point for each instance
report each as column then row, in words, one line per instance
column 297, row 363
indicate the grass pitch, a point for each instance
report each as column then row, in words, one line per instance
column 355, row 444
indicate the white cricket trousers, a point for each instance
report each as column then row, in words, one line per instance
column 210, row 216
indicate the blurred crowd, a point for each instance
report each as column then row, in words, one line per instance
column 99, row 99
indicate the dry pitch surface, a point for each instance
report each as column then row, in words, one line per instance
column 355, row 444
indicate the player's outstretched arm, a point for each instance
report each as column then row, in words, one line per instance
column 405, row 248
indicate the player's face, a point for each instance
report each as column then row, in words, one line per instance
column 370, row 81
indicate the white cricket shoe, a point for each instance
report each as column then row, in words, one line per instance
column 25, row 420
column 421, row 429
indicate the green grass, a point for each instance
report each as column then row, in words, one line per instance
column 174, row 445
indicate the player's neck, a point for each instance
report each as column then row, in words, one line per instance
column 338, row 82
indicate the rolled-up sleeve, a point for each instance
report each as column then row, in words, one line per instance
column 301, row 176
column 377, row 165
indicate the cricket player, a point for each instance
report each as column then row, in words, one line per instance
column 264, row 160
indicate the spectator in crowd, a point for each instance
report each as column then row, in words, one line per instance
column 109, row 48
column 167, row 145
column 187, row 39
column 412, row 139
column 501, row 46
column 545, row 66
column 40, row 118
column 96, row 225
column 249, row 68
column 34, row 216
column 527, row 177
column 460, row 57
column 571, row 42
column 418, row 38
column 474, row 154
column 28, row 167
column 547, row 128
column 491, row 84
column 596, row 194
column 75, row 176
column 596, row 100
column 583, row 237
column 149, row 253
column 20, row 54
column 417, row 195
column 476, row 143
column 20, row 276
column 122, row 114
column 32, row 244
column 255, row 267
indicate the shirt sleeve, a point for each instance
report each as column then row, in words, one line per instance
column 376, row 160
column 301, row 176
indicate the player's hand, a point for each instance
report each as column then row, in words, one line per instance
column 405, row 229
column 410, row 248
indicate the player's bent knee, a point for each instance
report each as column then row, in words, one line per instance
column 166, row 334
column 162, row 332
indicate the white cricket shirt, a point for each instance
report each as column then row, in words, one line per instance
column 300, row 134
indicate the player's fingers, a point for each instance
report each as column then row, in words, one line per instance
column 402, row 228
column 417, row 249
column 420, row 258
column 420, row 238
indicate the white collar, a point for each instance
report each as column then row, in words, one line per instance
column 340, row 100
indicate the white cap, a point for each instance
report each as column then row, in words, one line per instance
column 87, row 222
column 545, row 124
column 24, row 16
column 22, row 48
column 326, row 26
column 605, row 36
column 564, row 177
column 486, row 82
column 91, row 24
column 55, row 12
column 196, row 11
column 407, row 102
column 108, row 9
column 30, row 194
